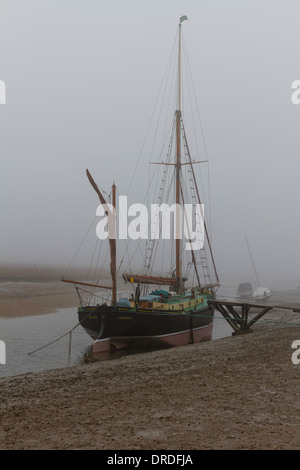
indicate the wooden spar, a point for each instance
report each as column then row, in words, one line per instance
column 174, row 164
column 143, row 279
column 192, row 251
column 85, row 284
column 113, row 266
column 178, row 171
column 179, row 67
column 112, row 233
column 91, row 180
column 160, row 281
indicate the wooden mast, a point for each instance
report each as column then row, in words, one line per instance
column 113, row 253
column 178, row 168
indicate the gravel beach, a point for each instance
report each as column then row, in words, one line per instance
column 233, row 393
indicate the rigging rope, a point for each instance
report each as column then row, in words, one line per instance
column 150, row 122
column 79, row 247
column 62, row 336
column 202, row 132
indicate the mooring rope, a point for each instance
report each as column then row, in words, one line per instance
column 62, row 336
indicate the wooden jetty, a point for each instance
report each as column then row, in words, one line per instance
column 236, row 312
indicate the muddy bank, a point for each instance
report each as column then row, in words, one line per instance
column 36, row 290
column 30, row 298
column 232, row 393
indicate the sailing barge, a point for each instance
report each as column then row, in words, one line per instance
column 171, row 314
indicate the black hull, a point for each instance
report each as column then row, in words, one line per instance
column 119, row 327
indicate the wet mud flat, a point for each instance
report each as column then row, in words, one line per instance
column 231, row 393
column 36, row 290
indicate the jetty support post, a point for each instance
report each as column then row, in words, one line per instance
column 239, row 320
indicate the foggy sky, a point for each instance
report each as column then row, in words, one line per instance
column 82, row 78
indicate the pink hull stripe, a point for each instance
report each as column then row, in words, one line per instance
column 182, row 338
column 101, row 345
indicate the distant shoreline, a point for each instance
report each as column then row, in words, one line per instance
column 25, row 299
column 36, row 290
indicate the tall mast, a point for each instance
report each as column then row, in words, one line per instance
column 178, row 165
column 179, row 67
column 256, row 276
column 113, row 253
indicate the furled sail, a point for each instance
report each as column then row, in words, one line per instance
column 143, row 279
